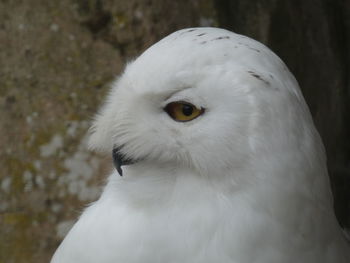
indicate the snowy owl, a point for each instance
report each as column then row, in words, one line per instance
column 217, row 160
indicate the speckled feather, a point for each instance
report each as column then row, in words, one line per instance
column 246, row 182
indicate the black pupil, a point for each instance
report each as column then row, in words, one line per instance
column 187, row 110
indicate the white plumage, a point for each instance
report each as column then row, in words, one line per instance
column 244, row 182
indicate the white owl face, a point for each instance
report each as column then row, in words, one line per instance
column 199, row 98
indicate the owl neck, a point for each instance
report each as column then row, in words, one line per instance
column 274, row 186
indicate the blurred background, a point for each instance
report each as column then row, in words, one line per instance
column 58, row 58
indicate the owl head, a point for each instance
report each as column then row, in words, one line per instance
column 209, row 100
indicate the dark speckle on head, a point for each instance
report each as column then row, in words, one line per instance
column 256, row 75
column 247, row 46
column 202, row 34
column 219, row 38
column 188, row 31
column 203, row 42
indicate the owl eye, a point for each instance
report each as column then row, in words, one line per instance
column 183, row 111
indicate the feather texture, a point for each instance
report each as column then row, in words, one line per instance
column 244, row 182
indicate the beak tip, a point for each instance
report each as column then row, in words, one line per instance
column 119, row 170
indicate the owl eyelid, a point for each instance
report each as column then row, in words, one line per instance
column 183, row 100
column 186, row 103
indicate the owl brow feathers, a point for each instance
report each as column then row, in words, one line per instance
column 176, row 90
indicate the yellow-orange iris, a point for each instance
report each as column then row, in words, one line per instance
column 183, row 111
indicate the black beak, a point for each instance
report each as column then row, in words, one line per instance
column 119, row 160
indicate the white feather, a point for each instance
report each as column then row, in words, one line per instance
column 245, row 182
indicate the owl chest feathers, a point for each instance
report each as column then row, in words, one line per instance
column 187, row 219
